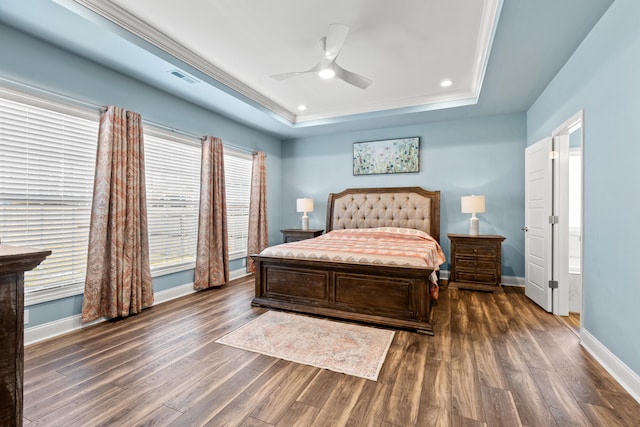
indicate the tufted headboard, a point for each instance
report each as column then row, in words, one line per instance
column 408, row 207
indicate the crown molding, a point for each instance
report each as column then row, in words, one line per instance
column 488, row 25
column 130, row 23
column 400, row 106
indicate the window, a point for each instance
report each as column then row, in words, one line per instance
column 173, row 190
column 48, row 155
column 172, row 176
column 237, row 176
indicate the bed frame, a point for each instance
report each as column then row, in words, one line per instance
column 383, row 295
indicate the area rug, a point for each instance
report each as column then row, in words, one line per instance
column 341, row 347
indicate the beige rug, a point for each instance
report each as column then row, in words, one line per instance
column 340, row 347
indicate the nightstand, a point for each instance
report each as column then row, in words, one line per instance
column 476, row 262
column 295, row 234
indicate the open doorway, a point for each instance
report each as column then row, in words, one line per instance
column 575, row 226
column 553, row 221
column 571, row 258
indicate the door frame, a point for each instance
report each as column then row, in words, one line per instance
column 561, row 247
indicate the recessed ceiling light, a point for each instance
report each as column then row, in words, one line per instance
column 302, row 107
column 327, row 73
column 446, row 83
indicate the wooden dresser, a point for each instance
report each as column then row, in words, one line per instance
column 14, row 261
column 476, row 262
column 295, row 234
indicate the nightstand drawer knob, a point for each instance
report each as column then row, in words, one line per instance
column 475, row 251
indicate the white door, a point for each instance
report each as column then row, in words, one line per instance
column 538, row 193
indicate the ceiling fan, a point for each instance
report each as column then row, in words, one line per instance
column 327, row 67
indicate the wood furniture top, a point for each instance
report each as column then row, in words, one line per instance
column 296, row 234
column 16, row 259
column 479, row 236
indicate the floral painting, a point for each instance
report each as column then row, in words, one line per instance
column 387, row 156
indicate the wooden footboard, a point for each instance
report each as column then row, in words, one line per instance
column 383, row 295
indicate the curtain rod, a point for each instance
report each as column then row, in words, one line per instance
column 191, row 135
column 90, row 105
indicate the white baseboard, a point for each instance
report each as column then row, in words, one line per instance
column 506, row 280
column 55, row 328
column 628, row 379
column 236, row 274
column 68, row 324
column 513, row 281
column 173, row 293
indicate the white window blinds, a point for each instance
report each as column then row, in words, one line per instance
column 173, row 190
column 46, row 184
column 237, row 175
column 172, row 166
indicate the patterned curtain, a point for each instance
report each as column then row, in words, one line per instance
column 118, row 281
column 212, row 258
column 258, row 234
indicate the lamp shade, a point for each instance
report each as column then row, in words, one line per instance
column 304, row 205
column 473, row 204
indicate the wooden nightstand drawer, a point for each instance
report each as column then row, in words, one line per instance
column 475, row 276
column 476, row 262
column 485, row 251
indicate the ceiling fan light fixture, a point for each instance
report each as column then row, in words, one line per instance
column 327, row 68
column 327, row 73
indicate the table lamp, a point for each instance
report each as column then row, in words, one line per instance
column 305, row 205
column 473, row 205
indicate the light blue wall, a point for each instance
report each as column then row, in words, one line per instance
column 42, row 65
column 50, row 311
column 602, row 77
column 474, row 156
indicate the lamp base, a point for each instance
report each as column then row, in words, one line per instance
column 473, row 226
column 305, row 222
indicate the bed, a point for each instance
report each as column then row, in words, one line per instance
column 397, row 296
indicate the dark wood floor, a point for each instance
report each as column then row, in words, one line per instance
column 495, row 360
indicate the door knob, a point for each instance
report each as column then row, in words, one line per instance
column 525, row 229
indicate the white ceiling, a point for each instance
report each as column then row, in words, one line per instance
column 499, row 53
column 406, row 50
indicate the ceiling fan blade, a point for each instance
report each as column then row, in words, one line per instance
column 334, row 40
column 285, row 76
column 351, row 78
column 319, row 66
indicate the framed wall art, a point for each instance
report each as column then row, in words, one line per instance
column 401, row 155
